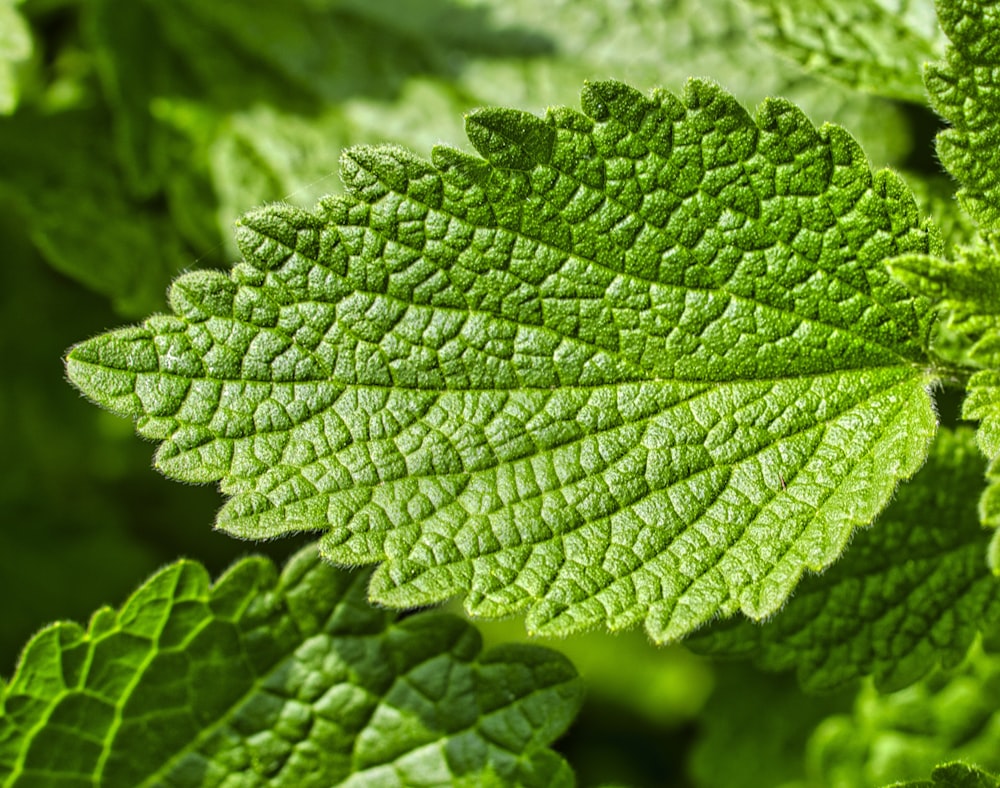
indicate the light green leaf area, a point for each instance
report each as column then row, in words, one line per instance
column 963, row 89
column 15, row 49
column 60, row 173
column 279, row 681
column 901, row 600
column 905, row 735
column 638, row 363
column 877, row 46
column 954, row 775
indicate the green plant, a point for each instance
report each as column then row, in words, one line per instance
column 658, row 361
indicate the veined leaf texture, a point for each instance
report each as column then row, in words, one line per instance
column 639, row 363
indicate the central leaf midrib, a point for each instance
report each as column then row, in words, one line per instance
column 916, row 369
column 641, row 423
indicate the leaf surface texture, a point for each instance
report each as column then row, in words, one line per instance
column 642, row 362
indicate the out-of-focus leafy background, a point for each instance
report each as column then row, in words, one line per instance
column 134, row 132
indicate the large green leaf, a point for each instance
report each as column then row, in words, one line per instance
column 292, row 681
column 912, row 590
column 638, row 363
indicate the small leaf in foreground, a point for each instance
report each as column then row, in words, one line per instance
column 912, row 591
column 641, row 363
column 290, row 681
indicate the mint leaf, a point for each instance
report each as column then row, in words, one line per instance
column 871, row 45
column 901, row 600
column 955, row 775
column 949, row 716
column 279, row 681
column 643, row 363
column 962, row 89
column 15, row 49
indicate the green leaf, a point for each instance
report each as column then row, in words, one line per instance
column 949, row 716
column 642, row 363
column 274, row 681
column 912, row 591
column 15, row 49
column 954, row 775
column 963, row 90
column 871, row 45
column 627, row 42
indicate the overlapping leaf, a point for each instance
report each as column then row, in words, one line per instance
column 290, row 681
column 964, row 89
column 641, row 363
column 879, row 46
column 912, row 590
